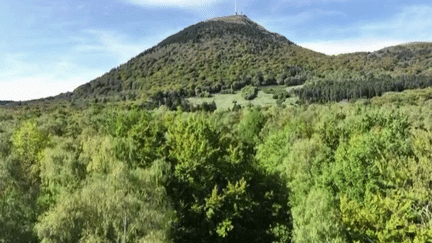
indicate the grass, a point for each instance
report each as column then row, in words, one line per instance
column 225, row 101
column 273, row 89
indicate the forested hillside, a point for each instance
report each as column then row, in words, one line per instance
column 222, row 55
column 127, row 158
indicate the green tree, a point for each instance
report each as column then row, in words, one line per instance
column 28, row 142
column 125, row 205
column 218, row 193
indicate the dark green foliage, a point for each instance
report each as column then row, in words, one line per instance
column 365, row 87
column 219, row 195
column 17, row 205
column 249, row 92
column 176, row 99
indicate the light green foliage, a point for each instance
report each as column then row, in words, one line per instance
column 385, row 207
column 332, row 129
column 316, row 219
column 346, row 153
column 361, row 162
column 139, row 137
column 219, row 194
column 338, row 172
column 381, row 218
column 194, row 145
column 307, row 171
column 61, row 170
column 356, row 166
column 124, row 205
column 271, row 153
column 250, row 126
column 28, row 144
column 97, row 154
column 17, row 207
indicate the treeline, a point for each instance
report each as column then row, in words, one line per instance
column 328, row 90
column 176, row 100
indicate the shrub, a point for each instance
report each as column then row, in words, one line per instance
column 249, row 92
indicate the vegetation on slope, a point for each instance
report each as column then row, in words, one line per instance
column 226, row 54
column 97, row 166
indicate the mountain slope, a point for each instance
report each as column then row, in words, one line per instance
column 216, row 52
column 410, row 58
column 226, row 53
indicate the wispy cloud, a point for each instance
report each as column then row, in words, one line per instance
column 310, row 2
column 173, row 3
column 118, row 45
column 22, row 79
column 94, row 52
column 302, row 17
column 35, row 87
column 349, row 45
column 412, row 23
column 288, row 25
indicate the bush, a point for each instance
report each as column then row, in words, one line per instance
column 227, row 91
column 249, row 92
column 205, row 95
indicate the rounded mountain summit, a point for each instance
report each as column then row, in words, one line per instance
column 212, row 53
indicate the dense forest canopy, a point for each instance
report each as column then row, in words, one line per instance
column 126, row 157
column 349, row 172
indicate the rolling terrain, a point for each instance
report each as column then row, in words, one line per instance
column 226, row 132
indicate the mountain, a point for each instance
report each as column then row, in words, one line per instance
column 211, row 55
column 226, row 53
column 229, row 52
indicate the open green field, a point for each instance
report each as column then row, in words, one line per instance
column 225, row 101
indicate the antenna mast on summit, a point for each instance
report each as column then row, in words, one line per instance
column 236, row 7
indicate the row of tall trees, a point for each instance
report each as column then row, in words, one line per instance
column 369, row 86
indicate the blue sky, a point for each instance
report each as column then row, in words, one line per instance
column 52, row 46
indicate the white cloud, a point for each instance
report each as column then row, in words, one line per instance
column 173, row 3
column 411, row 24
column 21, row 79
column 27, row 88
column 116, row 44
column 310, row 2
column 299, row 18
column 350, row 45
